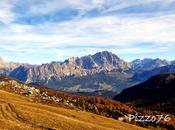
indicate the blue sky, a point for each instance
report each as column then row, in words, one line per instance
column 40, row 31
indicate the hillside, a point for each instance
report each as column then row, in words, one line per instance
column 27, row 113
column 21, row 113
column 157, row 93
column 101, row 106
column 154, row 96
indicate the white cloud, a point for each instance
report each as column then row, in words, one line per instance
column 102, row 30
column 105, row 30
column 6, row 15
column 48, row 6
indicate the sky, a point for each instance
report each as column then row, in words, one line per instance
column 41, row 31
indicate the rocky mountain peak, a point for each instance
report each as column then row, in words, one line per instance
column 101, row 60
column 71, row 60
column 105, row 54
column 148, row 64
column 105, row 57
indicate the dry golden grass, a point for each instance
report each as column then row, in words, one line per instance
column 21, row 113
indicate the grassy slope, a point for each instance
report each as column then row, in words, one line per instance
column 18, row 112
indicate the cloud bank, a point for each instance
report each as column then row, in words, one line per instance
column 38, row 31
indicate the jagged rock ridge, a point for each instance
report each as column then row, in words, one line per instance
column 58, row 74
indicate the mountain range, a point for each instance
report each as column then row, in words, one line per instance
column 101, row 74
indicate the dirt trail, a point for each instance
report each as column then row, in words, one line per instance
column 9, row 112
